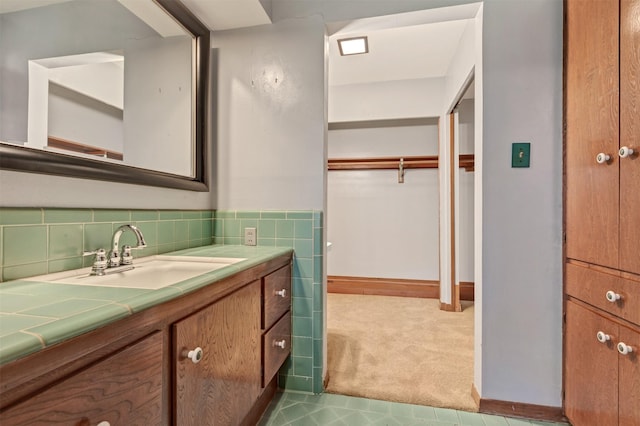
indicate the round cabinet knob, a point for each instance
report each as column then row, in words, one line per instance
column 104, row 423
column 612, row 296
column 281, row 293
column 195, row 355
column 625, row 152
column 280, row 343
column 624, row 349
column 603, row 158
column 602, row 337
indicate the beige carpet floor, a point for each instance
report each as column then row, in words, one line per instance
column 400, row 349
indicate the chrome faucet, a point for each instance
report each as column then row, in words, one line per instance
column 124, row 258
column 117, row 262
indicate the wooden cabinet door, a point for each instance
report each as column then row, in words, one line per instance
column 630, row 135
column 592, row 120
column 124, row 389
column 222, row 387
column 591, row 369
column 629, row 373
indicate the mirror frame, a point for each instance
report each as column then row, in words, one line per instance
column 23, row 159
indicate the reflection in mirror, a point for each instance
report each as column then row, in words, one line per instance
column 110, row 81
column 79, row 107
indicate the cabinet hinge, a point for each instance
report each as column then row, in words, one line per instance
column 564, row 237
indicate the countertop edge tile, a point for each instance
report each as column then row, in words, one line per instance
column 17, row 345
column 114, row 309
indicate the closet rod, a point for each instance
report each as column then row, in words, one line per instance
column 391, row 163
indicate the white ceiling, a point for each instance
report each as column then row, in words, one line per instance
column 403, row 46
column 228, row 14
column 405, row 53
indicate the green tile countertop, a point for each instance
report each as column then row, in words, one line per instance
column 34, row 315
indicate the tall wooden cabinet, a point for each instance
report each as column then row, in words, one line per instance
column 602, row 212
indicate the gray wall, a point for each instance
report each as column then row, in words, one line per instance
column 76, row 117
column 271, row 116
column 522, row 230
column 379, row 227
column 158, row 104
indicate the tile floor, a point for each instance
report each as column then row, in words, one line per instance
column 290, row 408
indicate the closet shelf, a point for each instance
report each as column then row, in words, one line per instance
column 392, row 163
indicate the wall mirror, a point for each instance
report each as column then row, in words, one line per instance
column 104, row 89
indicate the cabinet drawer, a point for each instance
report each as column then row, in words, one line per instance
column 124, row 389
column 592, row 286
column 276, row 296
column 276, row 346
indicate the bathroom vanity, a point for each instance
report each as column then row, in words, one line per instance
column 209, row 355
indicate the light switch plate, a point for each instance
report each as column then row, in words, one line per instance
column 520, row 154
column 250, row 237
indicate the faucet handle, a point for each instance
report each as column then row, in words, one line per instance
column 114, row 259
column 126, row 258
column 100, row 262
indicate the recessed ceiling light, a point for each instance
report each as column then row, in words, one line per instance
column 353, row 46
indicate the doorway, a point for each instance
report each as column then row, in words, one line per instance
column 360, row 111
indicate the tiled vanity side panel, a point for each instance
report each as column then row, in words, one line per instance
column 35, row 241
column 302, row 231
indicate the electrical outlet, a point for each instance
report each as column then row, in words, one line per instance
column 250, row 236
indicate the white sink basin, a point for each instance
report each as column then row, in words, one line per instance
column 149, row 273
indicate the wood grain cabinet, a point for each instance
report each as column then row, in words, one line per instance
column 123, row 389
column 217, row 357
column 276, row 321
column 209, row 358
column 603, row 379
column 602, row 212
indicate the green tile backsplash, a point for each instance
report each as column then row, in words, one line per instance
column 35, row 241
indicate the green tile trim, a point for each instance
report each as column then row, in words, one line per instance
column 112, row 216
column 191, row 214
column 67, row 215
column 144, row 215
column 273, row 215
column 300, row 215
column 17, row 216
column 18, row 345
column 248, row 215
column 170, row 215
column 225, row 214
